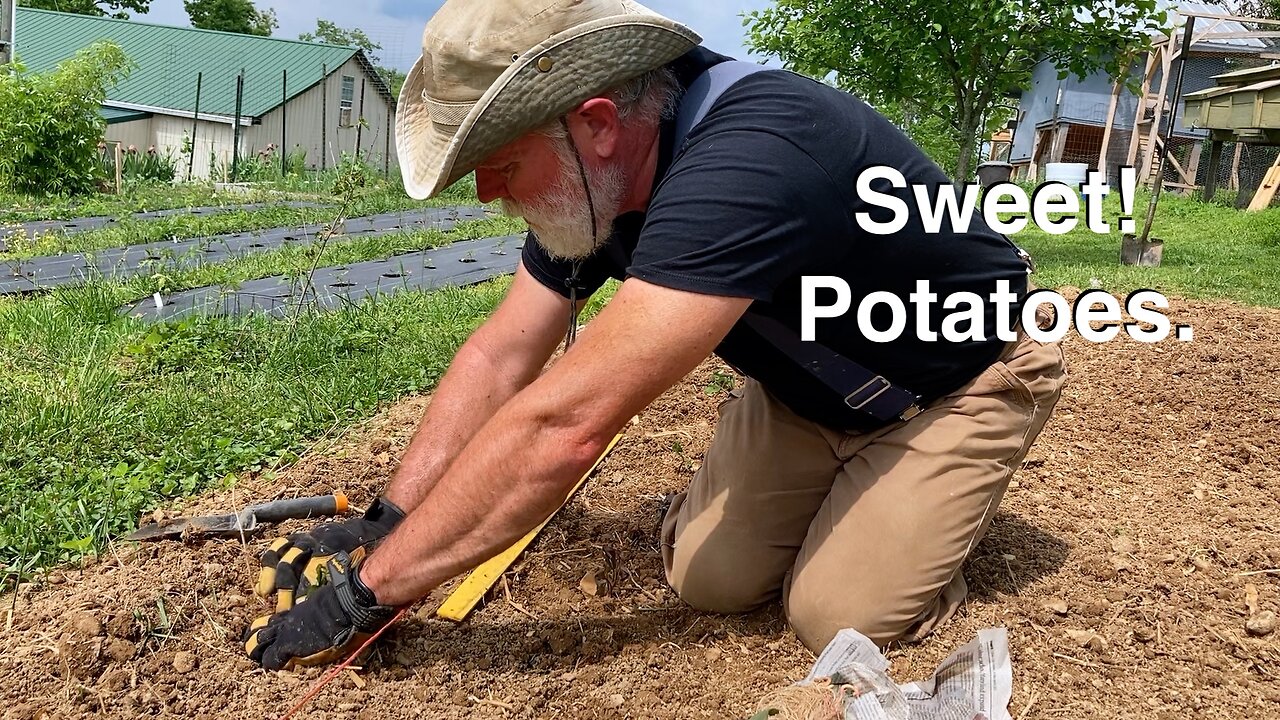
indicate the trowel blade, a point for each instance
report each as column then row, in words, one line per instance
column 177, row 527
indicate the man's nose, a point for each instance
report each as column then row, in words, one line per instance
column 490, row 186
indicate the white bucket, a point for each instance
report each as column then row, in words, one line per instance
column 1072, row 174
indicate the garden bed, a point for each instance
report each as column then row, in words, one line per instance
column 1121, row 562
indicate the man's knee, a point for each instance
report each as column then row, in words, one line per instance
column 818, row 608
column 719, row 585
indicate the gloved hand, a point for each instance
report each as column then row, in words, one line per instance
column 330, row 622
column 293, row 564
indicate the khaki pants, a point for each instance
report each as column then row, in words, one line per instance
column 864, row 531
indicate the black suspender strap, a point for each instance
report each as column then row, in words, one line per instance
column 862, row 389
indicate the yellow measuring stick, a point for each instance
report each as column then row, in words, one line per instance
column 468, row 595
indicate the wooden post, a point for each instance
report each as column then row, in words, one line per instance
column 1153, row 135
column 1233, row 180
column 1267, row 189
column 1059, row 147
column 195, row 125
column 119, row 161
column 1132, row 157
column 1211, row 175
column 1111, row 121
column 1033, row 167
column 1193, row 163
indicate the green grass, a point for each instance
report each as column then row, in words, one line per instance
column 103, row 417
column 1211, row 252
column 16, row 208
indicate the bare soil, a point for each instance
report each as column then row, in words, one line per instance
column 1140, row 538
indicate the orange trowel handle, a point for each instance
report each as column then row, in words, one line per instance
column 300, row 508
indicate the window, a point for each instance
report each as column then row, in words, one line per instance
column 347, row 101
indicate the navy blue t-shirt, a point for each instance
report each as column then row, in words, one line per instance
column 762, row 194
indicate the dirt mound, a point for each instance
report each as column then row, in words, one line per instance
column 1141, row 536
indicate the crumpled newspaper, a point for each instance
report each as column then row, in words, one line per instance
column 974, row 683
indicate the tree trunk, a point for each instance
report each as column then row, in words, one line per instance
column 966, row 140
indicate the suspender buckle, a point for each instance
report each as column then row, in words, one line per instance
column 870, row 390
column 910, row 412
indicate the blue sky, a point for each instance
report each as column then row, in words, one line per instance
column 397, row 24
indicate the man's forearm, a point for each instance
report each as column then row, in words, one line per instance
column 477, row 383
column 513, row 475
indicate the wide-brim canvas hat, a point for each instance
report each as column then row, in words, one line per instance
column 493, row 70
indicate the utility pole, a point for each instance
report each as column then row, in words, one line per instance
column 8, row 18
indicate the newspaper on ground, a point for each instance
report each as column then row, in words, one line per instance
column 974, row 683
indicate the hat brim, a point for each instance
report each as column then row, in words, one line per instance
column 595, row 57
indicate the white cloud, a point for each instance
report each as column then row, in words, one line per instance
column 397, row 24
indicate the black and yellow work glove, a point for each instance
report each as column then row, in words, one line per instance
column 293, row 565
column 334, row 619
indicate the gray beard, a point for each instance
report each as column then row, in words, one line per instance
column 560, row 217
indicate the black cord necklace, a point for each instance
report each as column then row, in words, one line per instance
column 572, row 335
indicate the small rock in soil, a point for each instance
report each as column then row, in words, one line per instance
column 615, row 701
column 235, row 601
column 1123, row 545
column 119, row 651
column 1262, row 624
column 184, row 662
column 1087, row 639
column 85, row 625
column 1056, row 605
column 123, row 626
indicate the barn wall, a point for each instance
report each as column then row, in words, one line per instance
column 212, row 144
column 321, row 104
column 136, row 133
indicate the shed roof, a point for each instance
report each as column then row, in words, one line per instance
column 117, row 115
column 168, row 60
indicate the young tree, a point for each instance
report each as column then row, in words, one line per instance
column 50, row 124
column 109, row 8
column 955, row 61
column 330, row 33
column 237, row 16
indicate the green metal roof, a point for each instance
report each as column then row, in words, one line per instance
column 119, row 115
column 168, row 59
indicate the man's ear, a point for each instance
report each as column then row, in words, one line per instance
column 595, row 125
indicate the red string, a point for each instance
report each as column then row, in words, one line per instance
column 329, row 676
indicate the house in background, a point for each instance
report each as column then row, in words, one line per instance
column 1066, row 120
column 317, row 107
